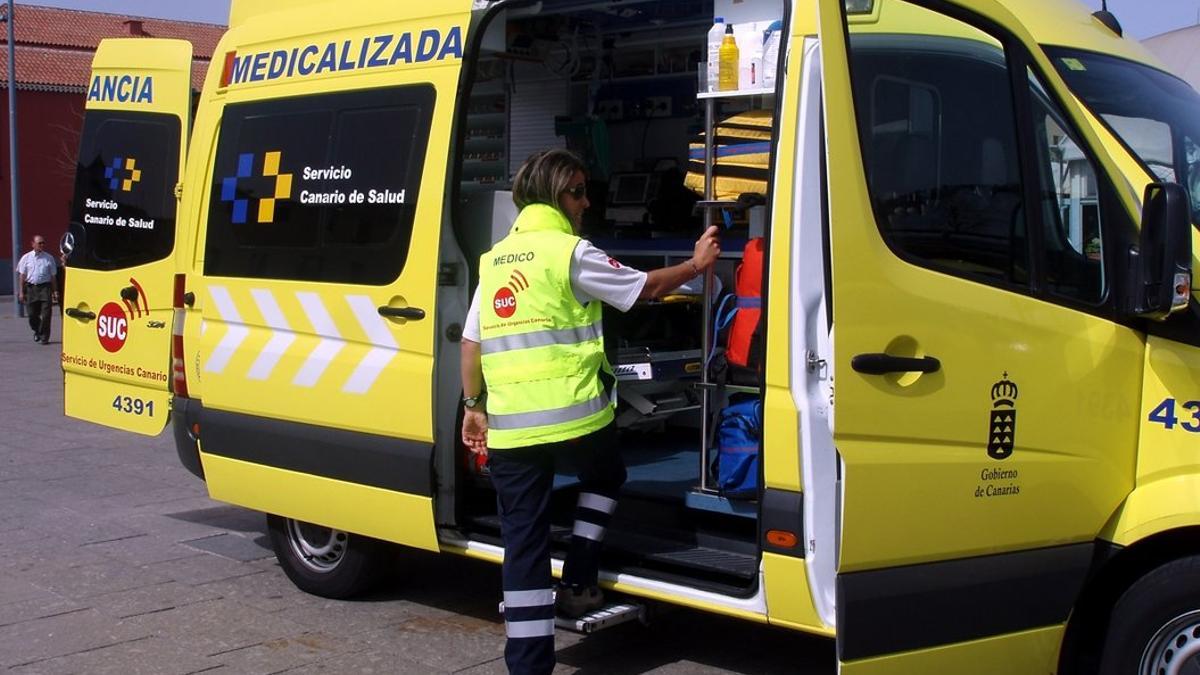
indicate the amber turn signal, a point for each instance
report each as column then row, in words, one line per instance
column 782, row 539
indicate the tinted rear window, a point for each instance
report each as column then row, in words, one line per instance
column 319, row 188
column 124, row 209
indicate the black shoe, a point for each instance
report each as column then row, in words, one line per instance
column 573, row 602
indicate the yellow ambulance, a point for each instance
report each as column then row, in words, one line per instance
column 976, row 220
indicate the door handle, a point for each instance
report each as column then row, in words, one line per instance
column 881, row 364
column 189, row 298
column 76, row 313
column 129, row 293
column 410, row 313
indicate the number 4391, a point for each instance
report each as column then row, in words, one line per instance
column 133, row 406
column 1164, row 414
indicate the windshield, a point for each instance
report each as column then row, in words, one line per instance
column 1155, row 114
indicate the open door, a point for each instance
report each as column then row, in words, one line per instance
column 986, row 401
column 121, row 241
column 316, row 273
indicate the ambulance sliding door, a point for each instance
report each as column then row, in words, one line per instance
column 120, row 243
column 318, row 271
column 986, row 402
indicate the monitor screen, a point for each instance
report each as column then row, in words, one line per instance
column 630, row 188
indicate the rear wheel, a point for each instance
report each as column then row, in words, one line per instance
column 327, row 562
column 1155, row 628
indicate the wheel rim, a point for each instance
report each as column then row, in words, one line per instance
column 320, row 549
column 1175, row 648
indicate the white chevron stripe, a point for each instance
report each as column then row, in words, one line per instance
column 330, row 345
column 378, row 358
column 227, row 312
column 282, row 336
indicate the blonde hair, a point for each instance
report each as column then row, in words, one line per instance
column 544, row 177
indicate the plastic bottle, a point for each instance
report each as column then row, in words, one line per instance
column 715, row 35
column 730, row 62
column 770, row 58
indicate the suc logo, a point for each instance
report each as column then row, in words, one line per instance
column 112, row 327
column 505, row 300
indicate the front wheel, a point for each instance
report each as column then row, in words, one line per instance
column 327, row 562
column 1155, row 628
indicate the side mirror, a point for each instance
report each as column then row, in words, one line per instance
column 1160, row 269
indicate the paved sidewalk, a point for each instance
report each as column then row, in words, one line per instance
column 117, row 562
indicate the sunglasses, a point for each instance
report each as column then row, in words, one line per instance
column 578, row 192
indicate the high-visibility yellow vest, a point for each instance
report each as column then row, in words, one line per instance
column 542, row 350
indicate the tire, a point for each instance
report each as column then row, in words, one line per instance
column 1155, row 627
column 327, row 562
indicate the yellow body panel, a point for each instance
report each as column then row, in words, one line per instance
column 119, row 384
column 1027, row 653
column 1167, row 495
column 382, row 514
column 789, row 602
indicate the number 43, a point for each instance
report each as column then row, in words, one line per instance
column 1164, row 414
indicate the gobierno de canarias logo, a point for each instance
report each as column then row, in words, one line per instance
column 280, row 189
column 122, row 174
column 112, row 322
column 505, row 301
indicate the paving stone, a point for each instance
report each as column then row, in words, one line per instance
column 142, row 549
column 91, row 580
column 264, row 590
column 61, row 635
column 448, row 643
column 43, row 606
column 201, row 568
column 150, row 599
column 148, row 656
column 233, row 546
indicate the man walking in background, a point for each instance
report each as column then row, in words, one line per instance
column 36, row 289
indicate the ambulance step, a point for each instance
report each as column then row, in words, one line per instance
column 605, row 617
column 613, row 614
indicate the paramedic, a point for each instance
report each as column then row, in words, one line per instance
column 538, row 391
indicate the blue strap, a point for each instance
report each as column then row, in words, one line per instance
column 721, row 318
column 749, row 302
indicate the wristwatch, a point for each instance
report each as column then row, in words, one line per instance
column 472, row 401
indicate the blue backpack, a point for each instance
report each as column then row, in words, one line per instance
column 739, row 437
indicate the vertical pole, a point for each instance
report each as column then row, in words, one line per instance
column 14, row 184
column 706, row 338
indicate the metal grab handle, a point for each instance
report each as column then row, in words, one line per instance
column 129, row 293
column 410, row 313
column 76, row 313
column 881, row 364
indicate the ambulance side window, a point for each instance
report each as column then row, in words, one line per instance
column 123, row 212
column 940, row 143
column 319, row 188
column 1073, row 250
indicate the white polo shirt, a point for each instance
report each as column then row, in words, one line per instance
column 38, row 267
column 594, row 276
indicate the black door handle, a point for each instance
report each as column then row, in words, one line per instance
column 76, row 313
column 189, row 298
column 410, row 313
column 129, row 293
column 880, row 364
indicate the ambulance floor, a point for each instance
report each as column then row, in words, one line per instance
column 668, row 469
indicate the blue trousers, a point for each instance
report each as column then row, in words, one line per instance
column 523, row 479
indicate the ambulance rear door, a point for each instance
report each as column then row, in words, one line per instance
column 986, row 390
column 121, row 238
column 317, row 270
